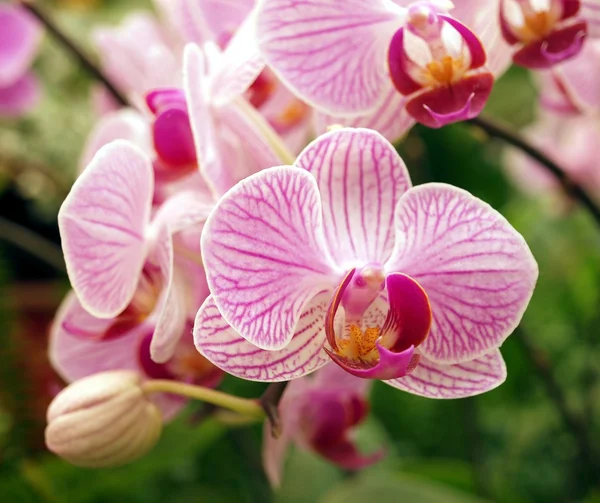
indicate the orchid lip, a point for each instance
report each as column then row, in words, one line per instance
column 445, row 105
column 363, row 340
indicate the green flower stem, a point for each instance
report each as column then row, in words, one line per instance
column 243, row 406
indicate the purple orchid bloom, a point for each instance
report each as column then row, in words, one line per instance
column 548, row 32
column 19, row 40
column 319, row 413
column 121, row 262
column 78, row 349
column 352, row 59
column 338, row 258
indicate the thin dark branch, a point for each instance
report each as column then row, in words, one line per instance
column 576, row 423
column 270, row 403
column 497, row 130
column 76, row 51
column 32, row 243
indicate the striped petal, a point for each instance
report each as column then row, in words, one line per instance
column 102, row 224
column 264, row 254
column 432, row 380
column 477, row 270
column 224, row 347
column 331, row 53
column 389, row 119
column 361, row 178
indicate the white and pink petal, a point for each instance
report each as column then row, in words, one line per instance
column 461, row 380
column 361, row 178
column 265, row 256
column 103, row 224
column 225, row 348
column 476, row 268
column 331, row 54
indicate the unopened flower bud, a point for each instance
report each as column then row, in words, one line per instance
column 103, row 420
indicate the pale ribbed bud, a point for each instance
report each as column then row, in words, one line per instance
column 103, row 420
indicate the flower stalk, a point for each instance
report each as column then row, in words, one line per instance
column 243, row 406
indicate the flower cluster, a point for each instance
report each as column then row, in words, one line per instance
column 206, row 234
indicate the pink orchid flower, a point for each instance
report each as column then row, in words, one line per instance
column 571, row 87
column 353, row 59
column 120, row 260
column 548, row 32
column 338, row 258
column 19, row 40
column 78, row 349
column 319, row 413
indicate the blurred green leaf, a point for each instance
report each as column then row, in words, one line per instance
column 392, row 488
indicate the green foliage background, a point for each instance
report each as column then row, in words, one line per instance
column 512, row 445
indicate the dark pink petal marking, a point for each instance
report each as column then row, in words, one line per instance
column 264, row 254
column 331, row 53
column 224, row 347
column 103, row 222
column 477, row 270
column 432, row 380
column 361, row 178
